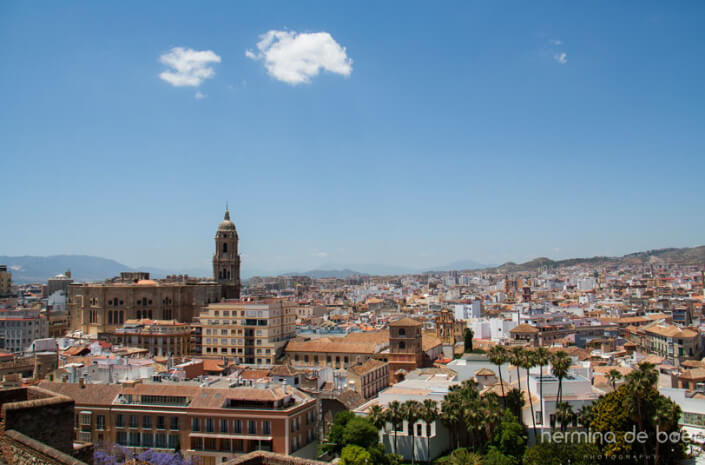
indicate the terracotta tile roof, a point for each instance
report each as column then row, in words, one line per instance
column 252, row 373
column 406, row 321
column 694, row 374
column 284, row 370
column 428, row 342
column 89, row 394
column 670, row 331
column 367, row 366
column 524, row 328
column 484, row 372
column 326, row 345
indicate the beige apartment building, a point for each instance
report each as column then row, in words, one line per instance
column 248, row 332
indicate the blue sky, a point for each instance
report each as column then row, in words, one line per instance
column 413, row 134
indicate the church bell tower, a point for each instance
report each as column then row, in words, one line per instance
column 226, row 261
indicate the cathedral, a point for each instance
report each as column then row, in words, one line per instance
column 102, row 307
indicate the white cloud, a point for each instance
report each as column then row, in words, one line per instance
column 188, row 67
column 556, row 42
column 320, row 254
column 561, row 57
column 295, row 58
column 199, row 95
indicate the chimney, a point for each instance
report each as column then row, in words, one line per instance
column 82, row 382
column 284, row 387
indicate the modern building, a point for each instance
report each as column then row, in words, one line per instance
column 249, row 332
column 103, row 307
column 210, row 424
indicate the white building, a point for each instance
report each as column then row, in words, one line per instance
column 18, row 328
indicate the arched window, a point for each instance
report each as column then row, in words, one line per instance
column 121, row 316
column 139, row 315
column 402, row 332
column 225, row 247
column 110, row 318
column 402, row 345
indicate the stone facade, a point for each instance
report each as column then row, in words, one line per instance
column 405, row 348
column 37, row 427
column 95, row 308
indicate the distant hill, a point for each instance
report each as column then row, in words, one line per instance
column 27, row 269
column 684, row 256
column 83, row 267
column 320, row 274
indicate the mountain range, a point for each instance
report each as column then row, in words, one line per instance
column 89, row 268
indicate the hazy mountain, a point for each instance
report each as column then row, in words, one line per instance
column 83, row 268
column 682, row 256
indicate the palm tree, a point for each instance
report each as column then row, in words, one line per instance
column 498, row 356
column 461, row 456
column 639, row 384
column 451, row 414
column 429, row 414
column 560, row 365
column 586, row 415
column 378, row 417
column 528, row 361
column 394, row 415
column 411, row 412
column 516, row 355
column 542, row 357
column 613, row 376
column 515, row 403
column 564, row 413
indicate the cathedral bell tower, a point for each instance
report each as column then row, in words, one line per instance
column 226, row 261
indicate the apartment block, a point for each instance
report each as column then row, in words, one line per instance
column 248, row 332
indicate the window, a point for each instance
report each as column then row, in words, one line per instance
column 160, row 440
column 266, row 427
column 122, row 438
column 147, row 439
column 173, row 441
column 120, row 421
column 209, row 425
column 100, row 422
column 251, row 427
column 133, row 421
column 237, row 426
column 402, row 332
column 146, row 422
column 196, row 424
column 160, row 422
column 223, row 426
column 174, row 423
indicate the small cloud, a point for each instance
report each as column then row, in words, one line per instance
column 188, row 67
column 295, row 58
column 561, row 57
column 199, row 95
column 556, row 42
column 320, row 254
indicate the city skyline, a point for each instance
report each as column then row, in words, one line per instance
column 342, row 138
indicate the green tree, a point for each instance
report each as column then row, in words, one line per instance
column 395, row 417
column 429, row 414
column 495, row 457
column 543, row 357
column 515, row 403
column 355, row 455
column 560, row 365
column 516, row 356
column 510, row 438
column 412, row 413
column 360, row 432
column 334, row 443
column 551, row 453
column 461, row 456
column 528, row 361
column 469, row 334
column 498, row 356
column 613, row 376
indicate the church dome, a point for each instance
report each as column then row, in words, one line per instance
column 226, row 224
